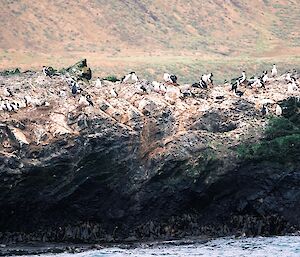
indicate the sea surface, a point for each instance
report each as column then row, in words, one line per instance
column 286, row 246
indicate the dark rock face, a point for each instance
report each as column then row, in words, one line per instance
column 153, row 175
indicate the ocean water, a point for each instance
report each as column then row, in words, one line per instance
column 287, row 246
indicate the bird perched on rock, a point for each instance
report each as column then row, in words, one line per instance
column 265, row 77
column 170, row 78
column 240, row 79
column 292, row 86
column 27, row 100
column 278, row 110
column 46, row 71
column 89, row 99
column 131, row 75
column 173, row 78
column 201, row 84
column 85, row 100
column 243, row 78
column 274, row 71
column 74, row 89
column 264, row 110
column 113, row 93
column 7, row 92
column 134, row 77
column 98, row 82
column 207, row 78
column 289, row 78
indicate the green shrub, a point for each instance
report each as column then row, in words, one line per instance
column 282, row 137
column 112, row 78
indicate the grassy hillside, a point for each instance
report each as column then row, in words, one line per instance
column 119, row 35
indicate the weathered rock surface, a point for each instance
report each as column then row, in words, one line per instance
column 140, row 166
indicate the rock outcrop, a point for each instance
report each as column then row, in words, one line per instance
column 142, row 166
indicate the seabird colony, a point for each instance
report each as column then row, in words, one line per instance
column 168, row 87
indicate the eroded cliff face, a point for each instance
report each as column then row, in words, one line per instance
column 141, row 165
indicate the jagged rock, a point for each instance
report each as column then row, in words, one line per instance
column 136, row 166
column 147, row 106
column 80, row 70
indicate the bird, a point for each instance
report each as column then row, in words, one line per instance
column 235, row 85
column 46, row 71
column 292, row 86
column 89, row 99
column 170, row 78
column 134, row 77
column 201, row 84
column 74, row 89
column 278, row 110
column 163, row 89
column 142, row 88
column 156, row 86
column 83, row 101
column 265, row 77
column 113, row 93
column 166, row 77
column 27, row 100
column 243, row 78
column 7, row 106
column 289, row 78
column 239, row 93
column 274, row 71
column 240, row 79
column 98, row 82
column 7, row 92
column 131, row 75
column 264, row 110
column 207, row 78
column 126, row 78
column 173, row 78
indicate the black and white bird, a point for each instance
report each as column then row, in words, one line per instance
column 289, row 78
column 113, row 93
column 170, row 78
column 243, row 78
column 258, row 82
column 264, row 110
column 173, row 78
column 235, row 85
column 134, row 77
column 89, row 99
column 7, row 92
column 74, row 89
column 239, row 93
column 240, row 79
column 200, row 84
column 46, row 71
column 292, row 86
column 274, row 71
column 130, row 76
column 85, row 100
column 265, row 77
column 207, row 78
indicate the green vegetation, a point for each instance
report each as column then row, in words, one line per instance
column 10, row 72
column 111, row 78
column 282, row 137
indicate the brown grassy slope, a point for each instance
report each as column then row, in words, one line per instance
column 185, row 37
column 215, row 26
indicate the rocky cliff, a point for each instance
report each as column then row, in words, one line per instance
column 143, row 165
